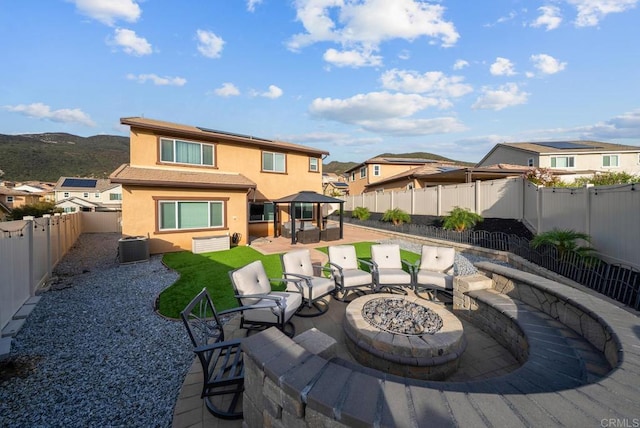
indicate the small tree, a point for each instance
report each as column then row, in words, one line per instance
column 460, row 219
column 564, row 240
column 361, row 213
column 396, row 216
column 542, row 177
column 36, row 210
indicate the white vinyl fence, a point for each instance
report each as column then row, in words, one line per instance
column 609, row 214
column 31, row 248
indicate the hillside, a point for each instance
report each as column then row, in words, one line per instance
column 49, row 156
column 340, row 167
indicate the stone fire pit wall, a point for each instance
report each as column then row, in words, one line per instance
column 297, row 383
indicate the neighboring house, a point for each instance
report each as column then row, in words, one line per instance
column 74, row 194
column 185, row 182
column 415, row 178
column 334, row 184
column 10, row 198
column 44, row 190
column 380, row 168
column 567, row 155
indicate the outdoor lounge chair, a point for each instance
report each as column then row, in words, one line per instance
column 347, row 272
column 434, row 271
column 221, row 360
column 297, row 265
column 266, row 308
column 388, row 274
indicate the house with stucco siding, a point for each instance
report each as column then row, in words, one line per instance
column 185, row 182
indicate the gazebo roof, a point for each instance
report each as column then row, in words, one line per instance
column 308, row 196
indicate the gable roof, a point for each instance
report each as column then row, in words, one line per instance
column 564, row 147
column 83, row 184
column 134, row 176
column 212, row 135
column 386, row 160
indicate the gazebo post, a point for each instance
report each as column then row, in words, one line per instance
column 342, row 220
column 292, row 215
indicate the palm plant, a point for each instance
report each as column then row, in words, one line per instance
column 396, row 216
column 361, row 213
column 564, row 240
column 460, row 219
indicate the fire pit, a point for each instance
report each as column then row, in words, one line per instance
column 404, row 335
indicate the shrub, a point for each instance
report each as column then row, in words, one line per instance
column 460, row 219
column 36, row 210
column 542, row 177
column 361, row 213
column 607, row 179
column 396, row 216
column 564, row 240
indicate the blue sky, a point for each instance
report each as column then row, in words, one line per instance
column 354, row 77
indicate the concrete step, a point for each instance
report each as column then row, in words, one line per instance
column 12, row 327
column 5, row 347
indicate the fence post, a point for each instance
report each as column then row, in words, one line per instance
column 587, row 208
column 439, row 201
column 46, row 218
column 28, row 235
column 413, row 201
column 539, row 208
column 478, row 201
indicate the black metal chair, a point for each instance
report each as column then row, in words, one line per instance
column 221, row 360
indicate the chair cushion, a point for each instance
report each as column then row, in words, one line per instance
column 440, row 259
column 432, row 279
column 251, row 279
column 320, row 285
column 292, row 301
column 386, row 256
column 393, row 277
column 344, row 256
column 297, row 261
column 356, row 277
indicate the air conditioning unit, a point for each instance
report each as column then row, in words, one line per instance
column 206, row 244
column 133, row 249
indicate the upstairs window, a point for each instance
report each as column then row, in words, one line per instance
column 376, row 170
column 530, row 162
column 177, row 215
column 97, row 194
column 115, row 196
column 273, row 162
column 313, row 165
column 563, row 162
column 187, row 152
column 353, row 176
column 363, row 172
column 9, row 199
column 610, row 161
column 65, row 195
column 260, row 211
column 85, row 195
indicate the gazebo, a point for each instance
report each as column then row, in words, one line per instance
column 305, row 197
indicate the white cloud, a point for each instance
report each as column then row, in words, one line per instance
column 434, row 83
column 549, row 18
column 209, row 44
column 273, row 92
column 251, row 4
column 502, row 67
column 109, row 11
column 363, row 25
column 626, row 125
column 158, row 80
column 507, row 95
column 351, row 58
column 502, row 19
column 414, row 127
column 404, row 54
column 370, row 106
column 546, row 64
column 591, row 12
column 227, row 90
column 131, row 43
column 43, row 111
column 460, row 64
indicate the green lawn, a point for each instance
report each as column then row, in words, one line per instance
column 211, row 271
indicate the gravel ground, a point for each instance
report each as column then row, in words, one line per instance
column 94, row 352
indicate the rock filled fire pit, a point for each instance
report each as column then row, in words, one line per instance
column 406, row 336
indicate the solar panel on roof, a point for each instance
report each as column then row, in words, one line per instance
column 565, row 145
column 232, row 134
column 79, row 182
